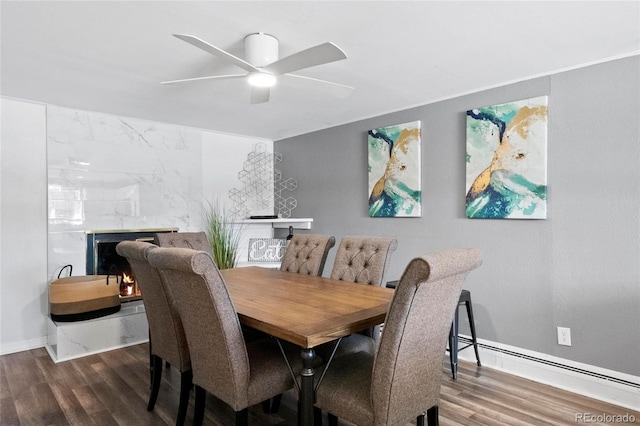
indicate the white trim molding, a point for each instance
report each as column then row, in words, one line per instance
column 595, row 382
column 22, row 345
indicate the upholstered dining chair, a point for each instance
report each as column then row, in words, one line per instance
column 402, row 379
column 363, row 259
column 360, row 259
column 200, row 241
column 192, row 240
column 238, row 373
column 166, row 336
column 307, row 253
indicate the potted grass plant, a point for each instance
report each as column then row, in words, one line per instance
column 224, row 236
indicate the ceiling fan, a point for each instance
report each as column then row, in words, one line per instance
column 263, row 68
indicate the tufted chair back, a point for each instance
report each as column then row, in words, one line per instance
column 362, row 259
column 307, row 253
column 192, row 240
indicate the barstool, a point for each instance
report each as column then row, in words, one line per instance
column 465, row 299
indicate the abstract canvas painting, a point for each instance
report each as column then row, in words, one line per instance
column 507, row 160
column 394, row 171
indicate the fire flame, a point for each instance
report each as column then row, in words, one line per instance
column 128, row 281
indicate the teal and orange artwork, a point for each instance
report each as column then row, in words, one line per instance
column 394, row 171
column 506, row 176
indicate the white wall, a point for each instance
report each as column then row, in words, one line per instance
column 170, row 169
column 23, row 226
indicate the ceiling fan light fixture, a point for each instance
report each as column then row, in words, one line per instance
column 263, row 67
column 262, row 79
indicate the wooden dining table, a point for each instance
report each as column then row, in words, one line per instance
column 304, row 310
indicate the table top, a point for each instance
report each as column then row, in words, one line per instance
column 302, row 309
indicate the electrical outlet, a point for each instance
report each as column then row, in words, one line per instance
column 564, row 336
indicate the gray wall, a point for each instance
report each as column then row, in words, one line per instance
column 579, row 268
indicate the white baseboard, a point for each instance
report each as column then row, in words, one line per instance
column 595, row 382
column 22, row 345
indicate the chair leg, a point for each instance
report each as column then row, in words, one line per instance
column 186, row 383
column 317, row 416
column 198, row 414
column 156, row 378
column 333, row 420
column 420, row 420
column 432, row 416
column 453, row 345
column 275, row 403
column 150, row 363
column 272, row 405
column 242, row 417
column 472, row 325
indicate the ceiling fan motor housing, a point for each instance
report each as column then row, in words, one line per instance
column 260, row 49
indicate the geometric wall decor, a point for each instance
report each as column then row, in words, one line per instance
column 506, row 172
column 283, row 204
column 394, row 171
column 257, row 184
column 262, row 184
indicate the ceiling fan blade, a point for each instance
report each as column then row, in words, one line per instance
column 260, row 94
column 317, row 55
column 335, row 89
column 201, row 44
column 211, row 77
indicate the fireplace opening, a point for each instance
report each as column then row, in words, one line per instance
column 102, row 258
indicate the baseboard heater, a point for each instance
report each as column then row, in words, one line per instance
column 554, row 364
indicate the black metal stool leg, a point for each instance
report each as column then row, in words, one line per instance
column 450, row 345
column 473, row 330
column 453, row 345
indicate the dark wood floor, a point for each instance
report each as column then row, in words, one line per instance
column 112, row 389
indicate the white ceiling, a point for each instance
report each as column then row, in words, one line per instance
column 110, row 56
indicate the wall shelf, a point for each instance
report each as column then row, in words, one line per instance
column 297, row 223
